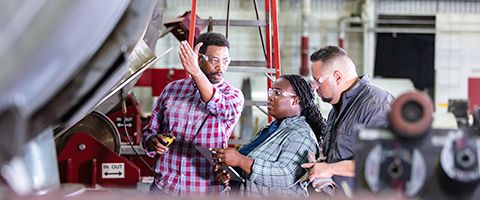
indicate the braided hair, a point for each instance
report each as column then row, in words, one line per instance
column 310, row 110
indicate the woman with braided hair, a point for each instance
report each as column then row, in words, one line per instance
column 271, row 161
column 310, row 110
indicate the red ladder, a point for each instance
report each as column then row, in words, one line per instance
column 271, row 66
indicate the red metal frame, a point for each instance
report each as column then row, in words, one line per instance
column 193, row 22
column 85, row 166
column 144, row 169
column 181, row 26
column 268, row 40
column 133, row 113
column 272, row 47
column 473, row 94
column 81, row 159
column 276, row 49
column 157, row 79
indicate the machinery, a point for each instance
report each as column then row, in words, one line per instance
column 91, row 148
column 66, row 114
column 459, row 108
column 414, row 160
column 66, row 75
column 67, row 69
column 88, row 151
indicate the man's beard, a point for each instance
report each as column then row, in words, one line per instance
column 213, row 79
column 327, row 100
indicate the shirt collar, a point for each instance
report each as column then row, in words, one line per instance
column 352, row 92
column 290, row 120
column 355, row 89
column 218, row 85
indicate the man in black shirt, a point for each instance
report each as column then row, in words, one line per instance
column 356, row 103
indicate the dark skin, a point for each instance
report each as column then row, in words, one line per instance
column 204, row 75
column 154, row 144
column 282, row 105
column 222, row 176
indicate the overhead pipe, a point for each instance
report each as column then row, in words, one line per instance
column 304, row 70
column 342, row 24
column 369, row 37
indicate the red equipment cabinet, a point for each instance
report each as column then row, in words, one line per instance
column 85, row 160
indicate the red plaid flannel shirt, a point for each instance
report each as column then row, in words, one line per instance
column 181, row 111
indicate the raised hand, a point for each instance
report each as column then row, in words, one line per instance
column 189, row 58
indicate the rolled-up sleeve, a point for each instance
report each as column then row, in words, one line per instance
column 226, row 105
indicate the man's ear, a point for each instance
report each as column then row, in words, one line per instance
column 338, row 76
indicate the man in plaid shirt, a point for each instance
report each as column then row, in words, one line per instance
column 200, row 110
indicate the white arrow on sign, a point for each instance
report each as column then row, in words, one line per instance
column 113, row 170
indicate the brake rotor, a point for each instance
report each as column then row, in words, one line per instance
column 411, row 114
column 396, row 168
column 99, row 126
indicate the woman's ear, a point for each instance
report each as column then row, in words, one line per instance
column 296, row 101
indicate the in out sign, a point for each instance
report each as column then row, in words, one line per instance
column 113, row 170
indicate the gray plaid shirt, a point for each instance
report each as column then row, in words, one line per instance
column 276, row 166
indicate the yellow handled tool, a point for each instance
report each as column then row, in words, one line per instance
column 169, row 138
